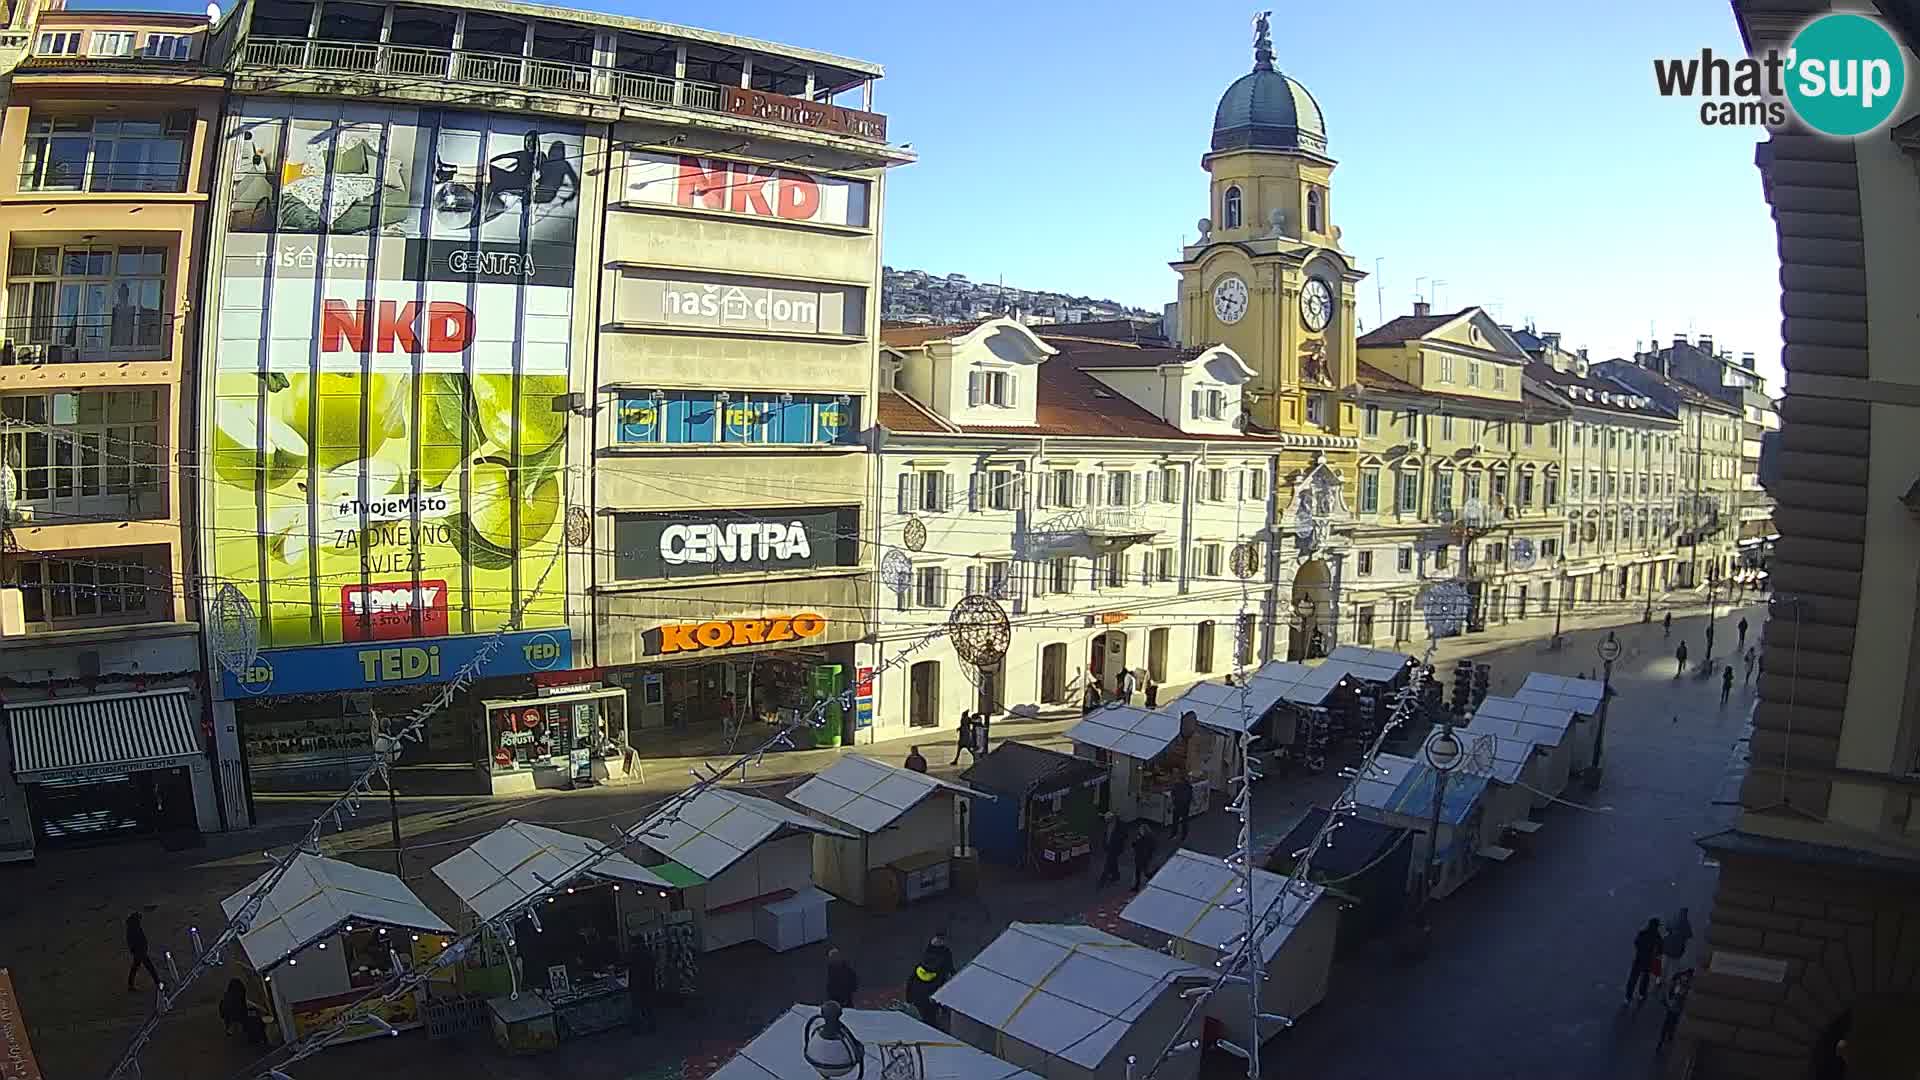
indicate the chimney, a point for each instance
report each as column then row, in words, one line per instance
column 1746, row 360
column 1421, row 309
column 1679, row 340
column 1706, row 344
column 1583, row 353
column 1552, row 339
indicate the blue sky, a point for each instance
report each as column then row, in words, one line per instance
column 1516, row 150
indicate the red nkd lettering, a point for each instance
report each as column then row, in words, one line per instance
column 445, row 326
column 701, row 185
column 746, row 189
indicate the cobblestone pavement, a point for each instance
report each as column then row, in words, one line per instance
column 1522, row 979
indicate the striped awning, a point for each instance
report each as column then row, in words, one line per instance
column 77, row 738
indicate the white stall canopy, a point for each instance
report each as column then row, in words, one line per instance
column 869, row 795
column 776, row 1053
column 519, row 860
column 1128, row 730
column 1184, row 901
column 1300, row 684
column 1071, row 992
column 315, row 898
column 1575, row 695
column 1231, row 709
column 1552, row 721
column 718, row 828
column 1498, row 756
column 1373, row 665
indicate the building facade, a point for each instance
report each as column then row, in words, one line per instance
column 1809, row 955
column 437, row 457
column 1101, row 492
column 1734, row 380
column 111, row 125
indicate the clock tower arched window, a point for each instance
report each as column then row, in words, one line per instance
column 1316, row 211
column 1230, row 209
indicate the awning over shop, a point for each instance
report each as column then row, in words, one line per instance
column 518, row 860
column 1373, row 665
column 103, row 735
column 315, row 897
column 870, row 795
column 1142, row 734
column 1300, row 684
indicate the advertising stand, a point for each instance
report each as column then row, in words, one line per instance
column 559, row 741
column 907, row 826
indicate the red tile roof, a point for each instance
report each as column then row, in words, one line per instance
column 1408, row 328
column 900, row 413
column 907, row 337
column 1373, row 378
column 1136, row 330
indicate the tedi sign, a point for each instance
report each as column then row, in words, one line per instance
column 1843, row 75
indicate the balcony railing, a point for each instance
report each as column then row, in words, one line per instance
column 133, row 179
column 551, row 76
column 87, row 339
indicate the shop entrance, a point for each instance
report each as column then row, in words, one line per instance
column 990, row 700
column 1107, row 660
column 73, row 812
column 1312, row 610
column 696, row 708
column 923, row 694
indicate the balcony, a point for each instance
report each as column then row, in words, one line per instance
column 134, row 336
column 410, row 64
column 1091, row 531
column 55, row 178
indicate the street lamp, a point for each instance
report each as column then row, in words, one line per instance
column 1444, row 754
column 1560, row 607
column 830, row 1047
column 1609, row 650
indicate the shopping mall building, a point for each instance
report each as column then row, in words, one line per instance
column 567, row 396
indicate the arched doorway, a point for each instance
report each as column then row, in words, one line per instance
column 1313, row 615
column 1106, row 660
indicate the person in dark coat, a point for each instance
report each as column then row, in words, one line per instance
column 641, row 963
column 137, row 949
column 242, row 1017
column 1181, row 799
column 916, row 761
column 1116, row 842
column 1143, row 848
column 1646, row 952
column 965, row 739
column 1743, row 632
column 933, row 971
column 1678, row 935
column 842, row 981
column 1676, row 1003
column 1666, row 625
column 1726, row 683
column 1153, row 694
column 1680, row 660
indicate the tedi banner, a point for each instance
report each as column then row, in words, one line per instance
column 1843, row 75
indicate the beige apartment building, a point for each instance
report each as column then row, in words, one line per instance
column 108, row 140
column 1808, row 964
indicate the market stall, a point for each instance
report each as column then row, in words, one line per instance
column 560, row 740
column 907, row 829
column 1187, row 901
column 1552, row 728
column 1509, row 764
column 1226, row 712
column 1365, row 861
column 1045, row 813
column 1399, row 792
column 1381, row 666
column 778, row 1052
column 745, row 865
column 571, row 950
column 1146, row 752
column 1073, row 1003
column 1581, row 697
column 1311, row 694
column 328, row 933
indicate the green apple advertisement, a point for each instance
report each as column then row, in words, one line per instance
column 388, row 429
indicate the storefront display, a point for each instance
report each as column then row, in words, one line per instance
column 563, row 739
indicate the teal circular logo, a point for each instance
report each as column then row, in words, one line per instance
column 1845, row 74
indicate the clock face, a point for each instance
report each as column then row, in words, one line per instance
column 1230, row 299
column 1316, row 304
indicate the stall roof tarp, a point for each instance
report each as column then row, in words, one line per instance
column 1301, row 684
column 1071, row 992
column 1373, row 665
column 776, row 1053
column 314, row 897
column 870, row 795
column 1576, row 695
column 1128, row 729
column 1353, row 847
column 1017, row 769
column 1228, row 708
column 1183, row 901
column 1555, row 718
column 74, row 736
column 1404, row 786
column 1504, row 757
column 518, row 860
column 717, row 828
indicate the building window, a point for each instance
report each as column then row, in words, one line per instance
column 1210, row 554
column 1549, row 547
column 1060, row 483
column 738, row 418
column 1216, row 405
column 1473, row 373
column 999, row 579
column 1446, row 426
column 1442, row 492
column 1244, row 640
column 1526, row 433
column 84, row 454
column 1000, row 489
column 1157, row 639
column 1446, row 369
column 1230, row 209
column 1216, row 485
column 1060, row 575
column 1317, row 409
column 1369, row 491
column 1366, row 563
column 1316, row 211
column 1169, row 485
column 1496, row 553
column 1442, row 555
column 1576, row 434
column 1526, row 489
column 990, row 388
column 81, row 304
column 1409, row 491
column 1472, row 485
column 110, row 43
column 1053, row 673
column 166, row 47
column 87, row 586
column 1363, row 625
column 930, row 587
column 1372, row 420
column 1499, row 377
column 927, row 492
column 1164, row 558
column 1405, row 560
column 58, row 43
column 1116, row 569
column 1257, row 484
column 1203, row 647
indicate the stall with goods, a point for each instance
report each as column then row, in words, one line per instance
column 1148, row 753
column 1045, row 812
column 907, row 828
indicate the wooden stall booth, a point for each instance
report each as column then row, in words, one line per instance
column 330, row 932
column 1366, row 863
column 1073, row 1003
column 1146, row 752
column 571, row 950
column 778, row 1053
column 745, row 865
column 1549, row 728
column 1045, row 812
column 1224, row 712
column 1186, row 902
column 1581, row 697
column 1399, row 792
column 1308, row 700
column 908, row 830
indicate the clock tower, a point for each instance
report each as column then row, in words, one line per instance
column 1267, row 276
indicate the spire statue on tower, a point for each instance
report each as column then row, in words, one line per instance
column 1262, row 41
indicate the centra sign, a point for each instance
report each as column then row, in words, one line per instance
column 762, row 542
column 727, row 633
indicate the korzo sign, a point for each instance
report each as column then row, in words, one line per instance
column 730, row 633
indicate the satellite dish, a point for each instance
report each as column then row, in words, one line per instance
column 213, row 13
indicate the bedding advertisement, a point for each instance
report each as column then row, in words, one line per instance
column 389, row 425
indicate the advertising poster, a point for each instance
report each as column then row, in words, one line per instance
column 389, row 424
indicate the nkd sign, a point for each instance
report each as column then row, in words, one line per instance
column 674, row 545
column 736, row 187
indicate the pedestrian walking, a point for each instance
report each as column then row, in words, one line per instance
column 1726, row 684
column 1181, row 803
column 1676, row 1003
column 1679, row 934
column 137, row 950
column 1143, row 847
column 1743, row 631
column 242, row 1016
column 929, row 975
column 1116, row 842
column 1680, row 660
column 915, row 760
column 1666, row 625
column 1646, row 954
column 965, row 739
column 1153, row 694
column 842, row 981
column 642, row 966
column 1750, row 658
column 1128, row 684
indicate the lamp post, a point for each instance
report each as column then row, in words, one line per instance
column 1609, row 650
column 1443, row 753
column 830, row 1047
column 1713, row 613
column 1560, row 607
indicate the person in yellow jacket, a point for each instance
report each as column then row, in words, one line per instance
column 929, row 975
